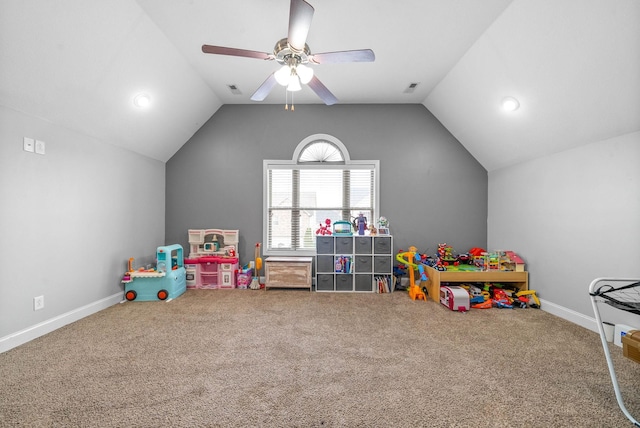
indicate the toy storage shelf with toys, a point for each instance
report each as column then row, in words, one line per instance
column 519, row 279
column 358, row 263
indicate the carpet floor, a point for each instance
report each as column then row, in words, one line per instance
column 294, row 358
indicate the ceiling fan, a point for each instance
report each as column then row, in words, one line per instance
column 294, row 54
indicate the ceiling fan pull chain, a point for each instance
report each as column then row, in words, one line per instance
column 286, row 98
column 292, row 106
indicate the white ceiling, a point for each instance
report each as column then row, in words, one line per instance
column 574, row 65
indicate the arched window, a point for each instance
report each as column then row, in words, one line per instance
column 320, row 182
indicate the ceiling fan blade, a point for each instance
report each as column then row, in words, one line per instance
column 322, row 91
column 219, row 50
column 300, row 16
column 261, row 93
column 361, row 55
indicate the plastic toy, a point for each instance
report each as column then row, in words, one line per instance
column 213, row 260
column 164, row 282
column 410, row 258
column 360, row 223
column 398, row 272
column 454, row 297
column 446, row 256
column 255, row 283
column 244, row 276
column 383, row 226
column 529, row 293
column 416, row 293
column 342, row 228
column 326, row 229
column 501, row 299
column 213, row 242
column 488, row 304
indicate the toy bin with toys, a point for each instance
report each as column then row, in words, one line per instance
column 164, row 282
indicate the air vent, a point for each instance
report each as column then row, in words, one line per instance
column 411, row 88
column 234, row 90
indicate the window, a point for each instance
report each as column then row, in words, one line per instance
column 320, row 182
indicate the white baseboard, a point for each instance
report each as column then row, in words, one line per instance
column 23, row 336
column 569, row 315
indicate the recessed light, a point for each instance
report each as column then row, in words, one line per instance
column 142, row 100
column 510, row 104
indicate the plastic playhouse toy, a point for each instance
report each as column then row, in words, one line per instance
column 164, row 282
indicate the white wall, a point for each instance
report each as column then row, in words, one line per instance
column 69, row 221
column 573, row 216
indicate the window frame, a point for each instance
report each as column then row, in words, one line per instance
column 293, row 163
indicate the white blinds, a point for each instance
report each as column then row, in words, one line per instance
column 301, row 197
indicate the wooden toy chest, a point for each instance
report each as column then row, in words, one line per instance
column 454, row 297
column 631, row 345
column 288, row 272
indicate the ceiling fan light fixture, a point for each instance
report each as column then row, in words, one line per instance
column 305, row 73
column 283, row 75
column 510, row 104
column 294, row 84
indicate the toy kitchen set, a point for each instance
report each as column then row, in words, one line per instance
column 213, row 258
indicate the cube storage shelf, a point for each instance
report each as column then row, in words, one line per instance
column 354, row 263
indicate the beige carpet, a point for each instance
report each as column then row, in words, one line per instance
column 291, row 358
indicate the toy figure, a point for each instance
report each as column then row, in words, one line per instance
column 372, row 230
column 360, row 223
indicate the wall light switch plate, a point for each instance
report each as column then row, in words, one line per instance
column 38, row 303
column 40, row 147
column 28, row 144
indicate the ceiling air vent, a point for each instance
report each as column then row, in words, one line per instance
column 411, row 88
column 234, row 90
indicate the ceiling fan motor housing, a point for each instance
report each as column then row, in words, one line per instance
column 286, row 54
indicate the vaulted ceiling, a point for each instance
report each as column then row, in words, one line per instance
column 574, row 66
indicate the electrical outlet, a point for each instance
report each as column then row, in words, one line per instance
column 40, row 147
column 28, row 144
column 38, row 303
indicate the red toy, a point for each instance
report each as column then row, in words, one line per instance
column 326, row 229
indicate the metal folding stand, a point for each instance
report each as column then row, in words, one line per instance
column 619, row 293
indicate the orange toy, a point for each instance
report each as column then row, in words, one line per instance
column 406, row 258
column 416, row 293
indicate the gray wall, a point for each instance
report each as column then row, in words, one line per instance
column 432, row 189
column 69, row 221
column 574, row 216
